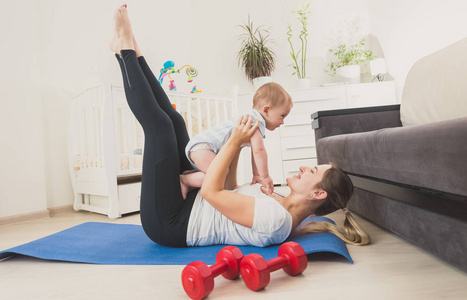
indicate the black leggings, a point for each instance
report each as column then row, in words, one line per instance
column 164, row 213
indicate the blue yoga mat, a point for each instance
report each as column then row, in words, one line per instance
column 124, row 244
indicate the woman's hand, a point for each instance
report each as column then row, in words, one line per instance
column 243, row 130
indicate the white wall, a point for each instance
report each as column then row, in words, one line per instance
column 217, row 30
column 54, row 43
column 409, row 30
column 22, row 180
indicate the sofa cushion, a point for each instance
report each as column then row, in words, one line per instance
column 435, row 88
column 430, row 156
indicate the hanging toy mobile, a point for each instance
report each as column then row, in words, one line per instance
column 169, row 68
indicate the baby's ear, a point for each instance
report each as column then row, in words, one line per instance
column 266, row 109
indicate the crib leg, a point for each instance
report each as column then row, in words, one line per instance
column 77, row 202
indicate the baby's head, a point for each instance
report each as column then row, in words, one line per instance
column 273, row 103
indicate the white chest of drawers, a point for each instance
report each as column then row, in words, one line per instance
column 293, row 145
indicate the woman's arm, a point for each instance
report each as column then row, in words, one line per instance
column 236, row 207
column 231, row 180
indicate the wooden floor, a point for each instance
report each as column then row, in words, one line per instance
column 389, row 268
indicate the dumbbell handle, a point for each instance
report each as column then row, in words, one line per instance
column 277, row 263
column 219, row 268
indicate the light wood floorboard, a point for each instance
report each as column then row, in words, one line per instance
column 389, row 268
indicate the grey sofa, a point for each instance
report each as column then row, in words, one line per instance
column 409, row 178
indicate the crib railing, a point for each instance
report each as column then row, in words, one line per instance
column 202, row 112
column 106, row 141
column 129, row 136
column 87, row 106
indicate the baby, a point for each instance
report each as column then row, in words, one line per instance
column 271, row 104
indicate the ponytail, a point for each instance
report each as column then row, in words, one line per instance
column 339, row 188
column 351, row 232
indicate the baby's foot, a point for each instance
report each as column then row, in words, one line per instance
column 185, row 188
column 123, row 35
column 189, row 171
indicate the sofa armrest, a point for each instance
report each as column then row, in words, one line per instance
column 353, row 120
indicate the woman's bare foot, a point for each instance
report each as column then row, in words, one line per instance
column 123, row 35
column 137, row 49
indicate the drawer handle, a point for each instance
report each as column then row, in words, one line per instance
column 318, row 99
column 293, row 172
column 298, row 124
column 299, row 147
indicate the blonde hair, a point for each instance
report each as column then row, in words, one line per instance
column 272, row 94
column 339, row 189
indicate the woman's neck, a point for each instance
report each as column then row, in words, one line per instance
column 298, row 208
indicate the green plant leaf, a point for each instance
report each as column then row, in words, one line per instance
column 348, row 55
column 303, row 37
column 255, row 55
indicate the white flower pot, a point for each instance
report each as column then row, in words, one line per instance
column 304, row 83
column 259, row 81
column 350, row 74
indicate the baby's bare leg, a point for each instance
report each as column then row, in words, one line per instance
column 202, row 159
column 192, row 180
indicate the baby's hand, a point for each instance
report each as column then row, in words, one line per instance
column 267, row 183
column 256, row 179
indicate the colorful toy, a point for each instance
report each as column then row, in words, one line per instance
column 169, row 68
column 256, row 270
column 172, row 86
column 195, row 90
column 198, row 278
column 191, row 72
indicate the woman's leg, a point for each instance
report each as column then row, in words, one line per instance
column 164, row 103
column 178, row 121
column 164, row 213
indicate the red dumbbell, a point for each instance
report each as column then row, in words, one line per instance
column 256, row 270
column 198, row 278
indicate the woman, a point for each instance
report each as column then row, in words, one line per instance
column 215, row 214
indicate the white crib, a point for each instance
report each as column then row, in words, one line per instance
column 106, row 142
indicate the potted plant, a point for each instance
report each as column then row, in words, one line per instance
column 299, row 65
column 255, row 55
column 347, row 58
column 348, row 54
